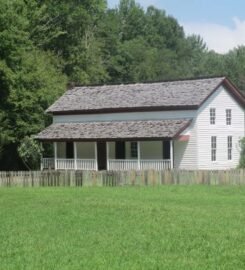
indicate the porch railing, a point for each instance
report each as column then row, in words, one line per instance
column 122, row 164
column 69, row 164
column 157, row 165
column 86, row 164
column 143, row 164
column 65, row 164
column 47, row 163
column 113, row 164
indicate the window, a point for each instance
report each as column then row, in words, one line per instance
column 69, row 150
column 212, row 116
column 134, row 149
column 120, row 150
column 229, row 147
column 213, row 148
column 166, row 150
column 228, row 117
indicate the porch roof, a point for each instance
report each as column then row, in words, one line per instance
column 130, row 130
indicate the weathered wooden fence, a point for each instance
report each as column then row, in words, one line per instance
column 123, row 178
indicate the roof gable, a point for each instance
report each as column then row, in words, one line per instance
column 185, row 94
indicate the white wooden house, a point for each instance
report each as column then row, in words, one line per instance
column 188, row 124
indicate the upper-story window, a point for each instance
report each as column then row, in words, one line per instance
column 228, row 117
column 212, row 116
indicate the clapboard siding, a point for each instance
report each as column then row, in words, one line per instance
column 185, row 153
column 220, row 100
column 160, row 115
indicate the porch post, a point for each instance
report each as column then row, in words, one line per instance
column 75, row 155
column 55, row 155
column 96, row 156
column 107, row 156
column 41, row 165
column 171, row 154
column 138, row 154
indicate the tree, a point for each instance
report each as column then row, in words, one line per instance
column 242, row 154
column 30, row 81
column 30, row 152
column 69, row 29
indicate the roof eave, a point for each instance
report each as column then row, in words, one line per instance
column 122, row 110
column 182, row 129
column 104, row 139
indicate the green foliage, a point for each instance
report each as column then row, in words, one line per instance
column 30, row 79
column 30, row 152
column 242, row 153
column 70, row 29
column 170, row 227
column 3, row 141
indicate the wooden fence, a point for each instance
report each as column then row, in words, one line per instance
column 123, row 178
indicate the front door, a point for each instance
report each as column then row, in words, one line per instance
column 101, row 154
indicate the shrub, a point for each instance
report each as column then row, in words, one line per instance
column 242, row 154
column 30, row 151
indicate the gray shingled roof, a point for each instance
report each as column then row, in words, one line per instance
column 162, row 94
column 114, row 130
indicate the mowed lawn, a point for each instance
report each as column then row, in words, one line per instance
column 168, row 227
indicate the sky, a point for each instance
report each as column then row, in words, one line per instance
column 221, row 23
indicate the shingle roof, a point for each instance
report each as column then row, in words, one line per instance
column 114, row 130
column 185, row 93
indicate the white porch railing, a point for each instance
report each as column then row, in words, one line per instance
column 122, row 164
column 157, row 165
column 69, row 164
column 47, row 163
column 113, row 164
column 125, row 165
column 65, row 164
column 86, row 164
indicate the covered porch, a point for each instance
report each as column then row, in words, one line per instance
column 114, row 145
column 114, row 155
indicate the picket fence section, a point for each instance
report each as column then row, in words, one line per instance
column 120, row 178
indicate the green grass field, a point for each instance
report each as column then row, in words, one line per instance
column 168, row 227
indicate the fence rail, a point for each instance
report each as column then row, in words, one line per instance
column 120, row 178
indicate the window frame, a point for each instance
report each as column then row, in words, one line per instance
column 212, row 116
column 213, row 148
column 134, row 149
column 228, row 117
